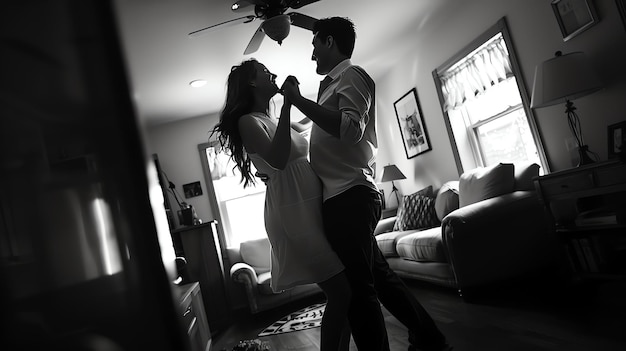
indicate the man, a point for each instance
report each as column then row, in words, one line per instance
column 342, row 152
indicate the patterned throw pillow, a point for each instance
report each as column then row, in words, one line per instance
column 416, row 212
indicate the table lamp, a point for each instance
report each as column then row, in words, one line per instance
column 391, row 173
column 562, row 79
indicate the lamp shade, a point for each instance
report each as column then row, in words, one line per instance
column 391, row 173
column 563, row 78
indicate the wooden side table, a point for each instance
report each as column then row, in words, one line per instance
column 587, row 205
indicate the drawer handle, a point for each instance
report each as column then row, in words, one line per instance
column 188, row 311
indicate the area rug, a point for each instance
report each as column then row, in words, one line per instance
column 306, row 318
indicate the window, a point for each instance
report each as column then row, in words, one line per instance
column 240, row 209
column 486, row 107
column 241, row 212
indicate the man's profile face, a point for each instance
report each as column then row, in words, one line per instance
column 320, row 54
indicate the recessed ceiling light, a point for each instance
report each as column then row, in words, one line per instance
column 198, row 83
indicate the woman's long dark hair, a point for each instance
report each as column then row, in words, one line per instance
column 239, row 100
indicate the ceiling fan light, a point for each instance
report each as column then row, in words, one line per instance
column 277, row 28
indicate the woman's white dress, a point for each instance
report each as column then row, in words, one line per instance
column 293, row 217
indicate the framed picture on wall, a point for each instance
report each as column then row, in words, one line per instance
column 411, row 122
column 574, row 16
column 616, row 138
column 192, row 189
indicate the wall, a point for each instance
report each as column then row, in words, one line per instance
column 413, row 57
column 176, row 144
column 536, row 37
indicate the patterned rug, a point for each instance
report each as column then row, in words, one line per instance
column 306, row 318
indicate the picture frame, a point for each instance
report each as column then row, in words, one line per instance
column 192, row 190
column 411, row 122
column 621, row 8
column 616, row 138
column 574, row 16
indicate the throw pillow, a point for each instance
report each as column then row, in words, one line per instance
column 427, row 191
column 524, row 174
column 485, row 182
column 416, row 212
column 447, row 199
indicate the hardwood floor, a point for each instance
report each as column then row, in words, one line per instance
column 542, row 317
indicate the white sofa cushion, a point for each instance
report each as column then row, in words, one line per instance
column 387, row 242
column 486, row 182
column 264, row 287
column 424, row 245
column 447, row 199
column 524, row 174
column 256, row 253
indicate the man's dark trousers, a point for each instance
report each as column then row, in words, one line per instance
column 349, row 222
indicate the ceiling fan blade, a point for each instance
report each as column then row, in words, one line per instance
column 242, row 4
column 256, row 41
column 302, row 21
column 244, row 19
column 296, row 4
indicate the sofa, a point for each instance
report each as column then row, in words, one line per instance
column 487, row 227
column 250, row 271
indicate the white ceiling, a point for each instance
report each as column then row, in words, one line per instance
column 162, row 59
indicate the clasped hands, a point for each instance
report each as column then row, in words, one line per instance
column 290, row 89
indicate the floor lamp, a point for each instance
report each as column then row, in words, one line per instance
column 562, row 79
column 391, row 173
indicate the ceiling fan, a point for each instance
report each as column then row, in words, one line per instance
column 276, row 23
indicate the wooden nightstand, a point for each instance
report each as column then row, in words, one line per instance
column 587, row 205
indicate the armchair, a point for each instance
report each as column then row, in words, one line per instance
column 251, row 272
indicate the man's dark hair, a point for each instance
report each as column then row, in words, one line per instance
column 342, row 31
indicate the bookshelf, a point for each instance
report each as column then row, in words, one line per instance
column 587, row 206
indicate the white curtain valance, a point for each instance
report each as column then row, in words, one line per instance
column 486, row 67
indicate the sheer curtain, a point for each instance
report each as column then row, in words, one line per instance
column 485, row 67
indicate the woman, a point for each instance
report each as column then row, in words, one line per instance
column 293, row 200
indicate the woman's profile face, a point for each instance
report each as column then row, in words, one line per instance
column 265, row 80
